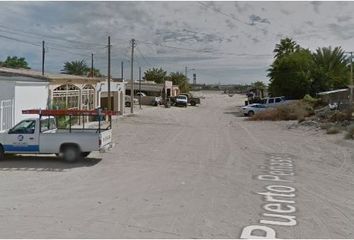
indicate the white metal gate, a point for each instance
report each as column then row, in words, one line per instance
column 6, row 114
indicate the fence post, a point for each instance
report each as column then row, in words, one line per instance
column 13, row 112
column 1, row 115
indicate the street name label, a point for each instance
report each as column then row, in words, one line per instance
column 279, row 197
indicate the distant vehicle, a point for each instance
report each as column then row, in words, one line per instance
column 128, row 102
column 271, row 101
column 251, row 109
column 181, row 100
column 41, row 136
column 157, row 101
column 191, row 100
column 141, row 94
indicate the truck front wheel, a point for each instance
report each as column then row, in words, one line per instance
column 71, row 153
column 2, row 153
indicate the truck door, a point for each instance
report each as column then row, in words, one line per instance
column 23, row 138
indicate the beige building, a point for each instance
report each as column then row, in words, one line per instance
column 117, row 96
column 154, row 89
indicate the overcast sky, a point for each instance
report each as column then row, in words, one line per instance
column 226, row 42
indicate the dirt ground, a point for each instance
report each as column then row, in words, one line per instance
column 192, row 172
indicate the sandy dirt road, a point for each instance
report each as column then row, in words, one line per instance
column 193, row 172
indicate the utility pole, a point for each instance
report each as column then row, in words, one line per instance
column 43, row 56
column 185, row 72
column 122, row 67
column 109, row 79
column 132, row 78
column 351, row 81
column 140, row 87
column 92, row 75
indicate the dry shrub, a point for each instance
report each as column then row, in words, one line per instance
column 326, row 126
column 340, row 116
column 333, row 130
column 350, row 132
column 293, row 111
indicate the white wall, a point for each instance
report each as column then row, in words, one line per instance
column 6, row 89
column 29, row 96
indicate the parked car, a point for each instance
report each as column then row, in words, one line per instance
column 271, row 101
column 181, row 100
column 251, row 109
column 191, row 100
column 128, row 101
column 141, row 94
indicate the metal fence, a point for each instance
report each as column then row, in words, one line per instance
column 7, row 110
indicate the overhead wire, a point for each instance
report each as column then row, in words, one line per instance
column 142, row 56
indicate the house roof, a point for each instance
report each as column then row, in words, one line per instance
column 332, row 92
column 47, row 76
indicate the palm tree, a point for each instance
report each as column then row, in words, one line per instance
column 330, row 71
column 78, row 67
column 286, row 46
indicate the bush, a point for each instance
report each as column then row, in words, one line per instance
column 307, row 98
column 292, row 111
column 350, row 132
column 314, row 102
column 333, row 130
column 326, row 126
column 340, row 116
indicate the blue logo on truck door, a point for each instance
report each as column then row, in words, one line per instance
column 20, row 138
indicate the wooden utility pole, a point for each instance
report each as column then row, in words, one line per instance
column 351, row 79
column 186, row 72
column 140, row 87
column 92, row 75
column 122, row 70
column 132, row 78
column 109, row 78
column 43, row 56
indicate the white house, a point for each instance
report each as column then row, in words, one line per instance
column 19, row 93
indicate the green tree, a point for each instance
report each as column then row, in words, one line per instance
column 78, row 67
column 180, row 80
column 15, row 62
column 285, row 47
column 155, row 75
column 259, row 85
column 330, row 69
column 95, row 73
column 290, row 75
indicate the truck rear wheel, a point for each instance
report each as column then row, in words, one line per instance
column 2, row 153
column 71, row 153
column 193, row 103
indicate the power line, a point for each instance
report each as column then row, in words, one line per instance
column 138, row 50
column 19, row 40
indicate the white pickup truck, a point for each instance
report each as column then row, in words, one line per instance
column 37, row 135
